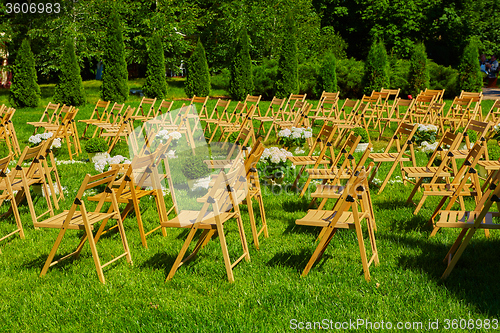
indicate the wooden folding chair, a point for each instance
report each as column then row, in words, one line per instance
column 99, row 114
column 51, row 109
column 22, row 179
column 201, row 113
column 275, row 108
column 476, row 109
column 253, row 100
column 219, row 110
column 437, row 93
column 469, row 222
column 481, row 128
column 444, row 170
column 224, row 198
column 336, row 170
column 8, row 194
column 465, row 184
column 131, row 188
column 78, row 218
column 229, row 119
column 327, row 110
column 237, row 126
column 67, row 130
column 147, row 104
column 403, row 140
column 324, row 142
column 494, row 113
column 396, row 114
column 346, row 214
column 8, row 132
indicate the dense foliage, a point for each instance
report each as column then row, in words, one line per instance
column 198, row 76
column 115, row 75
column 469, row 75
column 241, row 83
column 156, row 84
column 287, row 81
column 327, row 78
column 419, row 74
column 69, row 90
column 24, row 90
column 377, row 69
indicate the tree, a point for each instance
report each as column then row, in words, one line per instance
column 198, row 76
column 24, row 90
column 241, row 83
column 69, row 90
column 288, row 73
column 419, row 74
column 469, row 75
column 156, row 84
column 115, row 75
column 327, row 79
column 376, row 74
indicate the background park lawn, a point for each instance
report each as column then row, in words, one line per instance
column 268, row 292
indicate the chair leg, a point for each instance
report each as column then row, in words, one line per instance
column 179, row 260
column 320, row 249
column 53, row 251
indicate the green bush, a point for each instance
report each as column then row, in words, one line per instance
column 241, row 83
column 399, row 74
column 376, row 75
column 287, row 80
column 69, row 90
column 308, row 73
column 349, row 77
column 418, row 78
column 193, row 167
column 442, row 77
column 264, row 76
column 327, row 76
column 96, row 145
column 470, row 133
column 198, row 75
column 24, row 90
column 155, row 85
column 359, row 131
column 469, row 74
column 493, row 151
column 115, row 75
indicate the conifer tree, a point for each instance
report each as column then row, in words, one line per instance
column 24, row 90
column 69, row 90
column 115, row 75
column 327, row 79
column 198, row 76
column 241, row 83
column 287, row 80
column 156, row 84
column 469, row 75
column 418, row 77
column 376, row 74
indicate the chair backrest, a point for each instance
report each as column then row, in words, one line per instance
column 324, row 138
column 494, row 113
column 219, row 109
column 146, row 106
column 449, row 141
column 347, row 150
column 275, row 107
column 437, row 93
column 202, row 113
column 249, row 100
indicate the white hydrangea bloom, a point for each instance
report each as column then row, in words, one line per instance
column 45, row 136
column 35, row 139
column 56, row 143
column 308, row 133
column 175, row 135
column 285, row 133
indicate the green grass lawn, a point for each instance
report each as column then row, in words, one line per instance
column 268, row 294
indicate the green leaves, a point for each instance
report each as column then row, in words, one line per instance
column 241, row 83
column 70, row 90
column 198, row 76
column 156, row 84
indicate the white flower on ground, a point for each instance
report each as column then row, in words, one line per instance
column 175, row 135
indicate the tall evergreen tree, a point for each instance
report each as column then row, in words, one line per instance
column 198, row 76
column 469, row 75
column 327, row 79
column 24, row 90
column 115, row 75
column 376, row 74
column 418, row 77
column 156, row 84
column 69, row 90
column 241, row 83
column 287, row 81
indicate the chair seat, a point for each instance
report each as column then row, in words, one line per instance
column 381, row 157
column 316, row 218
column 327, row 173
column 465, row 220
column 76, row 222
column 490, row 165
column 187, row 218
column 306, row 160
column 424, row 172
column 126, row 195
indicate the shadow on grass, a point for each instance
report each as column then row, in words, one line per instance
column 161, row 261
column 476, row 276
column 296, row 261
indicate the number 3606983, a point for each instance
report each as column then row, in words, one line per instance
column 33, row 8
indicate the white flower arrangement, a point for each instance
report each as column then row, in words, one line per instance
column 104, row 160
column 427, row 147
column 275, row 155
column 296, row 136
column 164, row 135
column 38, row 138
